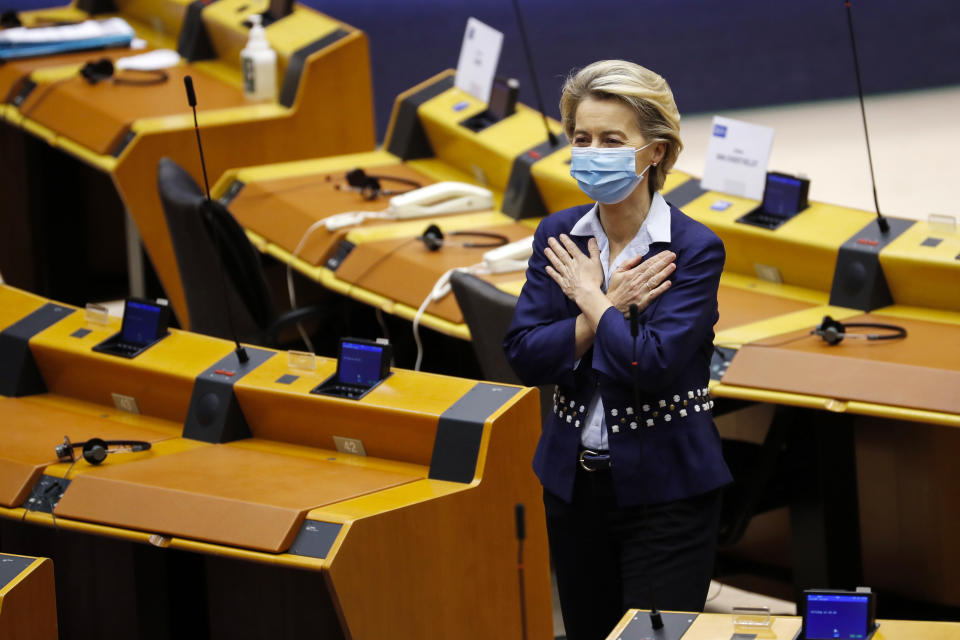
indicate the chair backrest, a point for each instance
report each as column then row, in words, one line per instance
column 214, row 259
column 488, row 312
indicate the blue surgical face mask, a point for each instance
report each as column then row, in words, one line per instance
column 607, row 175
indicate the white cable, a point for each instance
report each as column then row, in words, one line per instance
column 293, row 297
column 353, row 218
column 440, row 289
column 378, row 312
column 359, row 216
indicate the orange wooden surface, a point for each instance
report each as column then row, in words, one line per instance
column 97, row 116
column 407, row 541
column 14, row 72
column 282, row 210
column 716, row 626
column 160, row 379
column 321, row 122
column 29, row 432
column 464, row 544
column 740, row 306
column 404, row 270
column 908, row 491
column 28, row 609
column 218, row 493
column 921, row 371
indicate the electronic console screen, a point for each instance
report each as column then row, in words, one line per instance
column 781, row 195
column 141, row 322
column 360, row 364
column 836, row 616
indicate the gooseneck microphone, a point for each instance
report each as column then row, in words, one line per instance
column 881, row 221
column 208, row 204
column 634, row 332
column 520, row 514
column 533, row 74
column 656, row 620
column 192, row 101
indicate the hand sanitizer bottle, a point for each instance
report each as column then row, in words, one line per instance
column 259, row 63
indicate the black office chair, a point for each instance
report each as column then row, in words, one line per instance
column 207, row 240
column 761, row 481
column 488, row 312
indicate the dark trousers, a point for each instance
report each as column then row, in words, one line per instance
column 609, row 559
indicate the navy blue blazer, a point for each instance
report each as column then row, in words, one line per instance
column 666, row 449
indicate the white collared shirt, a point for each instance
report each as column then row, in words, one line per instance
column 655, row 228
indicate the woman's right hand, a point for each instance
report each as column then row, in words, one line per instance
column 640, row 282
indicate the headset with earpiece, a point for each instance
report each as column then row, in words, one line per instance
column 434, row 239
column 833, row 332
column 95, row 450
column 369, row 185
column 99, row 70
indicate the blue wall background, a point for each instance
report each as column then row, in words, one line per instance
column 716, row 54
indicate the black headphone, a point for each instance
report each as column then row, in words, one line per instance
column 102, row 69
column 833, row 332
column 369, row 186
column 433, row 238
column 95, row 450
column 10, row 19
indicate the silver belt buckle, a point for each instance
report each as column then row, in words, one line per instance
column 583, row 462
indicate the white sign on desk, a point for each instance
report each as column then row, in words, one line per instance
column 479, row 57
column 737, row 158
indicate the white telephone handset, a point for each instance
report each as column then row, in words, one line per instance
column 442, row 198
column 509, row 257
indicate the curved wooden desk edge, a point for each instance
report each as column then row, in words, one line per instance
column 721, row 390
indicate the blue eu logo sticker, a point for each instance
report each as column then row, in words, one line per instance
column 720, row 131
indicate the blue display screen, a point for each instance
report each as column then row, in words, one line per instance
column 781, row 196
column 836, row 616
column 141, row 322
column 359, row 363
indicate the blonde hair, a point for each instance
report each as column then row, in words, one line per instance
column 647, row 93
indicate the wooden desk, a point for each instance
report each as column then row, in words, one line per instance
column 122, row 131
column 307, row 199
column 28, row 606
column 921, row 371
column 386, row 267
column 847, row 465
column 280, row 533
column 714, row 626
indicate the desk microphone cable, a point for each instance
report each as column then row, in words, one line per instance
column 291, row 293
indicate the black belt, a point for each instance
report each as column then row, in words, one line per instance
column 591, row 460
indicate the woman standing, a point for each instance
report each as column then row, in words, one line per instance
column 630, row 459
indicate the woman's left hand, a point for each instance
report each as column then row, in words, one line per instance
column 579, row 276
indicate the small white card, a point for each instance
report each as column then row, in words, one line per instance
column 479, row 57
column 737, row 158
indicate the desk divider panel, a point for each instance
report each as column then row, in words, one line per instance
column 859, row 281
column 19, row 375
column 214, row 414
